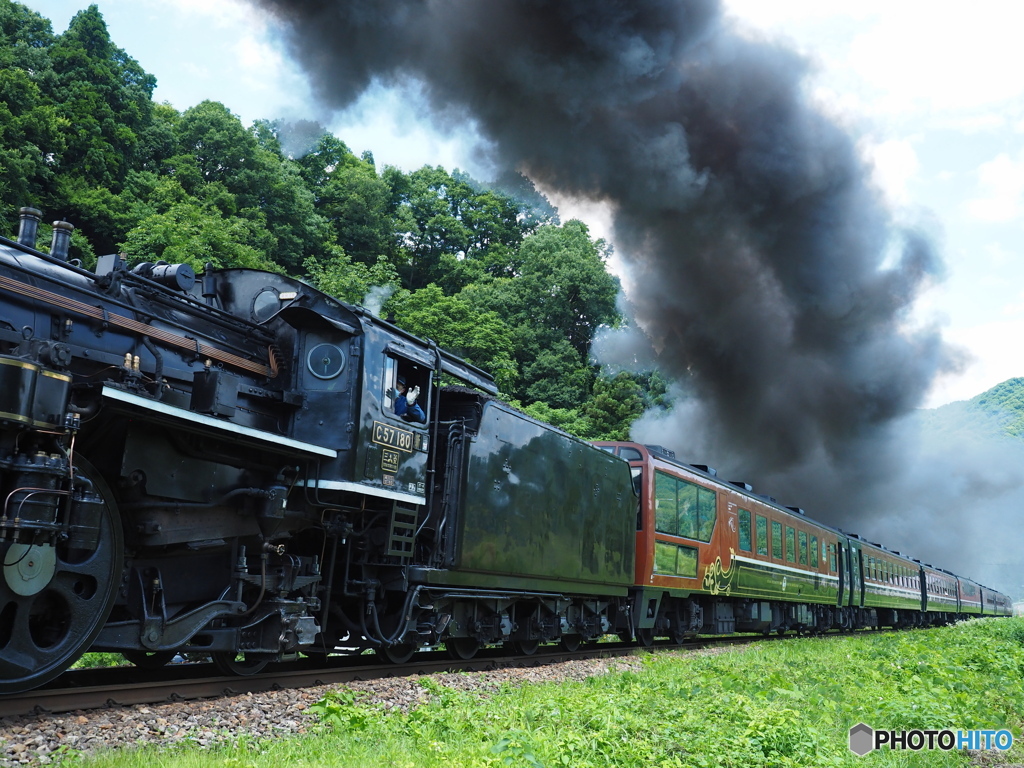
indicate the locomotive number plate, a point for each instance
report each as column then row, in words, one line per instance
column 392, row 437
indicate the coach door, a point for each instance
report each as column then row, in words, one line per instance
column 843, row 580
column 851, row 587
column 856, row 575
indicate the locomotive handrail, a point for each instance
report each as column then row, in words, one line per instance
column 99, row 313
column 159, row 291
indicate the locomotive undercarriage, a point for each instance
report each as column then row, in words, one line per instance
column 179, row 551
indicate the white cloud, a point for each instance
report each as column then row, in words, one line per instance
column 395, row 124
column 894, row 164
column 905, row 58
column 1001, row 194
column 991, row 360
column 934, row 55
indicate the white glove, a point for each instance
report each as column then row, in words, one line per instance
column 411, row 396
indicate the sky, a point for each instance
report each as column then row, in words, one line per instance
column 934, row 97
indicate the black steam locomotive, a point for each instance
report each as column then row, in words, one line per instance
column 220, row 464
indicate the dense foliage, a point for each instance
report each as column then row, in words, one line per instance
column 486, row 270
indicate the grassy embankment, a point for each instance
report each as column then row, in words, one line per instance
column 777, row 704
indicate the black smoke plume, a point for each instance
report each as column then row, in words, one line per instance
column 765, row 268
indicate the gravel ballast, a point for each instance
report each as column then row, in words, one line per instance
column 41, row 739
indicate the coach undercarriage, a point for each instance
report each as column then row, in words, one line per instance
column 680, row 617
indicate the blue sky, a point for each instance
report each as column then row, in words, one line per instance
column 934, row 95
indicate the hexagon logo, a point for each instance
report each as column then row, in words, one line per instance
column 862, row 739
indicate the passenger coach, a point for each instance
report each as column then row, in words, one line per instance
column 713, row 557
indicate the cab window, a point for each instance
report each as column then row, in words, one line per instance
column 406, row 389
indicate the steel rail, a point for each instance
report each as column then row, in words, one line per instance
column 86, row 689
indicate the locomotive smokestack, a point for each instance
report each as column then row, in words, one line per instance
column 61, row 239
column 30, row 218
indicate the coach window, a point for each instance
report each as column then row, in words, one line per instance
column 630, row 454
column 803, row 548
column 745, row 530
column 673, row 560
column 832, row 557
column 790, row 545
column 689, row 509
column 666, row 513
column 761, row 531
column 814, row 553
column 776, row 540
column 683, row 508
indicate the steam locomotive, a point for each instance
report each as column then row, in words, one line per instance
column 220, row 464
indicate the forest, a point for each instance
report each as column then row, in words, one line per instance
column 486, row 270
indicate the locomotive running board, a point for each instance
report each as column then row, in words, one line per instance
column 180, row 414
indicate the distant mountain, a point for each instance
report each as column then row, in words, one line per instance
column 997, row 413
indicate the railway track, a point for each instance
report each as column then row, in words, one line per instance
column 88, row 689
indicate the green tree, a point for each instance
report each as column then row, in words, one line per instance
column 561, row 294
column 615, row 403
column 217, row 154
column 106, row 99
column 322, row 158
column 354, row 200
column 350, row 281
column 568, row 419
column 177, row 227
column 482, row 338
column 31, row 129
column 452, row 231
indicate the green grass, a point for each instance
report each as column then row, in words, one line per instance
column 778, row 704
